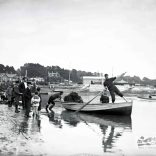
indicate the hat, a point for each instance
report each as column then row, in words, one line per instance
column 28, row 83
column 38, row 88
column 61, row 92
column 17, row 81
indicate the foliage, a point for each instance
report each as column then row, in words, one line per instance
column 7, row 69
column 37, row 70
column 33, row 70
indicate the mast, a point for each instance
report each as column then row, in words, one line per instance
column 26, row 73
column 69, row 78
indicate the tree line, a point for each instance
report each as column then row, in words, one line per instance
column 38, row 70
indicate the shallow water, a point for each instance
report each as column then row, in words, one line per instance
column 64, row 133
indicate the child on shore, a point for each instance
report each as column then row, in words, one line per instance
column 35, row 104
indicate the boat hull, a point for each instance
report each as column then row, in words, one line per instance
column 124, row 108
column 147, row 98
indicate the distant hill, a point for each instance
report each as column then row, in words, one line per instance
column 138, row 80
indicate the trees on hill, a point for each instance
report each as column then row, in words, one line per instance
column 33, row 70
column 37, row 70
column 7, row 69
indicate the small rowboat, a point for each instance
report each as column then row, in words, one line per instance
column 148, row 97
column 122, row 108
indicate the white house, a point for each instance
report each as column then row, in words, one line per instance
column 4, row 77
column 39, row 79
column 52, row 74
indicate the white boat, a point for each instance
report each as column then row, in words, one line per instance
column 148, row 97
column 122, row 108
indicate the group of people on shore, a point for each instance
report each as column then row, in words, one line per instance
column 26, row 93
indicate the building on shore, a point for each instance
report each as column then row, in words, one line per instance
column 54, row 77
column 4, row 77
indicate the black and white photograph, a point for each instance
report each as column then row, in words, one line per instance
column 77, row 77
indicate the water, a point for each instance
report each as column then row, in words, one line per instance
column 64, row 133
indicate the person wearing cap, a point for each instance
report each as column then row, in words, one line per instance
column 22, row 88
column 51, row 101
column 17, row 95
column 28, row 97
column 108, row 84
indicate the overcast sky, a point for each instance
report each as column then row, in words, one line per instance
column 108, row 36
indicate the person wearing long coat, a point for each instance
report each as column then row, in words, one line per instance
column 22, row 89
column 28, row 97
column 9, row 94
column 17, row 95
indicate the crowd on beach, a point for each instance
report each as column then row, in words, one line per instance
column 23, row 93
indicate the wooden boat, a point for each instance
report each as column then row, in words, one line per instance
column 84, row 89
column 148, row 97
column 99, row 119
column 122, row 108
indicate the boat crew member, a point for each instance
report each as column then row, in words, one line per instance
column 104, row 97
column 51, row 100
column 108, row 83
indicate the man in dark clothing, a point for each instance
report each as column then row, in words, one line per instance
column 104, row 97
column 39, row 94
column 22, row 88
column 17, row 95
column 51, row 100
column 108, row 83
column 28, row 97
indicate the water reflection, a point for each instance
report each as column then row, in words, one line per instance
column 29, row 126
column 70, row 118
column 23, row 127
column 55, row 118
column 111, row 127
column 107, row 142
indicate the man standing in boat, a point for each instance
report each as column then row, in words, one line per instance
column 108, row 83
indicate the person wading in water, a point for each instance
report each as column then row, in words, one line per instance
column 108, row 83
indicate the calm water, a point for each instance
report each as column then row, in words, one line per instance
column 64, row 133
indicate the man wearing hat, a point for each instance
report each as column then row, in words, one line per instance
column 28, row 97
column 17, row 95
column 22, row 88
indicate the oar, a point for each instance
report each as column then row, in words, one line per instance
column 124, row 99
column 88, row 102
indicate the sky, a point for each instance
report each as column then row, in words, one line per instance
column 106, row 36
